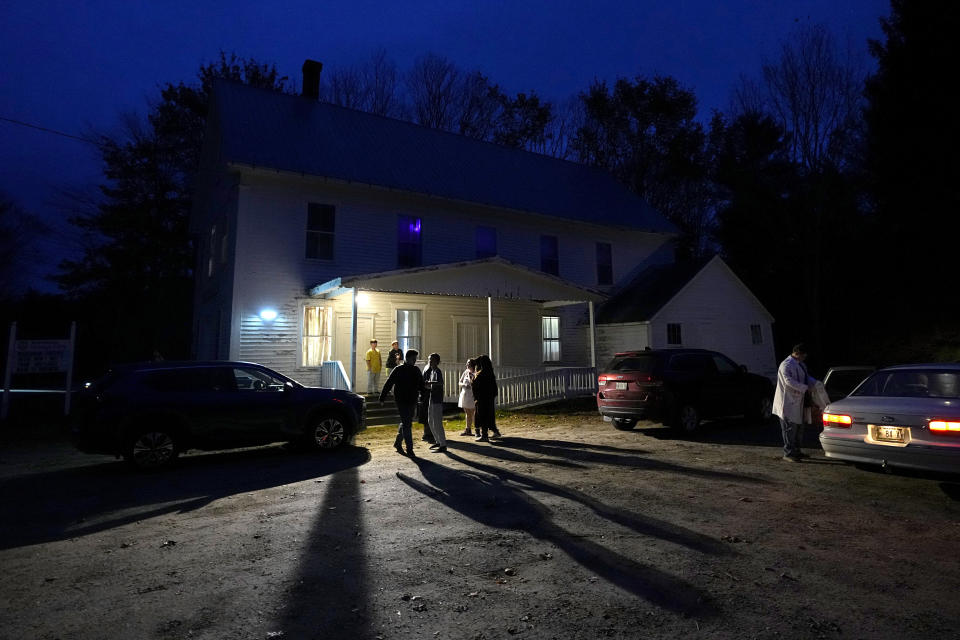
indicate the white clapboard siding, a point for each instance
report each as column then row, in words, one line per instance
column 715, row 311
column 625, row 336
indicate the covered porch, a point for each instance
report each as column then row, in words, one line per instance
column 461, row 310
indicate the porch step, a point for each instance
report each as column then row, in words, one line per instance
column 387, row 414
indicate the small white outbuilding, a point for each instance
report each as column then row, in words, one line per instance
column 702, row 305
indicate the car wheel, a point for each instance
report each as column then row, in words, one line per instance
column 688, row 418
column 326, row 432
column 624, row 424
column 152, row 448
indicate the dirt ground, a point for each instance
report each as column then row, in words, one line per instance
column 566, row 528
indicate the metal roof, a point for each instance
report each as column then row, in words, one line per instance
column 263, row 128
column 653, row 288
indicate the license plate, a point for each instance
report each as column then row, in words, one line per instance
column 888, row 434
column 621, row 386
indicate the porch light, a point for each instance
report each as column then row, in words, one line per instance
column 269, row 315
column 362, row 299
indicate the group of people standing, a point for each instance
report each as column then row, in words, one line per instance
column 421, row 393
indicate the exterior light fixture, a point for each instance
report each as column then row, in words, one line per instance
column 268, row 314
column 362, row 299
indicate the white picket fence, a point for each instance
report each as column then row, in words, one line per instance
column 518, row 386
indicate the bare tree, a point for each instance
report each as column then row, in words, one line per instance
column 477, row 106
column 433, row 85
column 814, row 91
column 380, row 78
column 346, row 87
column 568, row 117
column 19, row 232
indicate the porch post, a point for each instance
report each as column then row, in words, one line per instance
column 353, row 340
column 593, row 337
column 490, row 327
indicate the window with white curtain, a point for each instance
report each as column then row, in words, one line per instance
column 551, row 338
column 410, row 329
column 317, row 335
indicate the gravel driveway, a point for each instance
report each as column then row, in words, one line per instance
column 566, row 528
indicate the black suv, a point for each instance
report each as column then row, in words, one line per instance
column 149, row 413
column 679, row 387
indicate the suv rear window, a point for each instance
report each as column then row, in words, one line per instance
column 641, row 364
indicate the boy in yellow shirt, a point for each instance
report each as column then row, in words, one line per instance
column 374, row 365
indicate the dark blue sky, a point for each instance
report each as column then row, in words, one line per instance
column 77, row 66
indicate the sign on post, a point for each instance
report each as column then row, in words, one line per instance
column 39, row 356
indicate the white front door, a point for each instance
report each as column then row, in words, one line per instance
column 364, row 335
column 472, row 339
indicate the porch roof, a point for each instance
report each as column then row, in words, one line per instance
column 489, row 277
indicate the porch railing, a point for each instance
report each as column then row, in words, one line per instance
column 518, row 386
column 333, row 376
column 546, row 386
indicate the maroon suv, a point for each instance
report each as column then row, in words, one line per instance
column 679, row 387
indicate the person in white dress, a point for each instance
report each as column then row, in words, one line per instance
column 466, row 401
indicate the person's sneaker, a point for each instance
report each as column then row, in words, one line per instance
column 437, row 449
column 466, row 432
column 791, row 459
column 399, row 449
column 434, row 446
column 411, row 454
column 496, row 436
column 481, row 439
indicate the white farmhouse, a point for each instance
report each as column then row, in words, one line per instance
column 322, row 228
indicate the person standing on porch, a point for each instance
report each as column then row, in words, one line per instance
column 394, row 358
column 433, row 381
column 374, row 365
column 466, row 400
column 485, row 394
column 406, row 381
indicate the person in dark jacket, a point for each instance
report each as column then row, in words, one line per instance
column 433, row 381
column 407, row 384
column 485, row 394
column 394, row 358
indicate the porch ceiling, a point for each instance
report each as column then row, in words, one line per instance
column 490, row 277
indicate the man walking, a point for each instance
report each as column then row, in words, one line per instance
column 407, row 383
column 792, row 384
column 374, row 365
column 433, row 381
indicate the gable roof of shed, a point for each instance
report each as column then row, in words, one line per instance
column 263, row 128
column 654, row 287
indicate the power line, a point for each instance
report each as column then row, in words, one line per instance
column 53, row 131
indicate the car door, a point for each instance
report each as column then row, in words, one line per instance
column 722, row 390
column 258, row 406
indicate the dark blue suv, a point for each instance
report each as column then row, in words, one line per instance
column 149, row 413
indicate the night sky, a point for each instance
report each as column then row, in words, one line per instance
column 75, row 67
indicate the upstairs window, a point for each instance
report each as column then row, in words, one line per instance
column 320, row 225
column 756, row 335
column 549, row 255
column 551, row 338
column 673, row 334
column 604, row 263
column 409, row 242
column 486, row 242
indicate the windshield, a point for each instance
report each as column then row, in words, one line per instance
column 913, row 383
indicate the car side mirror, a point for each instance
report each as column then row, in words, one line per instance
column 743, row 368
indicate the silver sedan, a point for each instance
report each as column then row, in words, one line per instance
column 904, row 416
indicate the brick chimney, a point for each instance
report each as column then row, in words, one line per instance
column 311, row 79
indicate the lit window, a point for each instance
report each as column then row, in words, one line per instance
column 604, row 263
column 409, row 242
column 756, row 335
column 409, row 329
column 486, row 242
column 320, row 226
column 549, row 255
column 317, row 335
column 551, row 338
column 673, row 334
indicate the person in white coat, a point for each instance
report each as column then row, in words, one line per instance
column 792, row 384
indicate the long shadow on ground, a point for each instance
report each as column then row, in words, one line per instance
column 500, row 500
column 736, row 432
column 329, row 597
column 584, row 453
column 43, row 507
